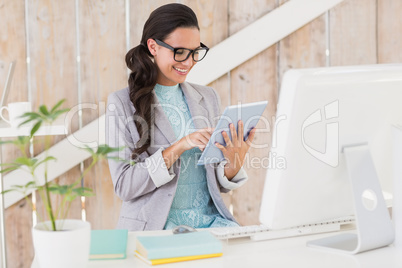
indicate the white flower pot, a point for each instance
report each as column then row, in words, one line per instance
column 68, row 248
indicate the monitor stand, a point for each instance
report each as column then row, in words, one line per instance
column 373, row 223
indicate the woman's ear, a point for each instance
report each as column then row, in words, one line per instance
column 151, row 46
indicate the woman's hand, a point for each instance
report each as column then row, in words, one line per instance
column 198, row 139
column 235, row 149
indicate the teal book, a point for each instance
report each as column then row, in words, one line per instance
column 108, row 244
column 178, row 245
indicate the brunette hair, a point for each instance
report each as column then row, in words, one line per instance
column 142, row 80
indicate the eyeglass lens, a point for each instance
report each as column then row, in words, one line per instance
column 182, row 54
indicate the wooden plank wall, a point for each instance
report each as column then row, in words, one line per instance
column 102, row 46
column 18, row 219
column 360, row 32
column 252, row 81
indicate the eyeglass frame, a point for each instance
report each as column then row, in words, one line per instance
column 202, row 46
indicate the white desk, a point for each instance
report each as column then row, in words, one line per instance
column 289, row 252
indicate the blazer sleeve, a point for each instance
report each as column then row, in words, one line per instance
column 240, row 178
column 131, row 180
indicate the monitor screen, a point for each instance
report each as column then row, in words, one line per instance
column 320, row 111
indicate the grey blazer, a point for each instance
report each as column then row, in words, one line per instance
column 147, row 188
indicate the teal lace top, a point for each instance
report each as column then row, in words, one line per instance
column 192, row 204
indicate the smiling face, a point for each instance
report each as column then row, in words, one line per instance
column 171, row 72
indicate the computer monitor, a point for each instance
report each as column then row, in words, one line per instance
column 320, row 111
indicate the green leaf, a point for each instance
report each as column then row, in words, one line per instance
column 7, row 191
column 101, row 150
column 23, row 140
column 56, row 114
column 57, row 105
column 31, row 115
column 6, row 142
column 31, row 185
column 43, row 110
column 104, row 150
column 24, row 161
column 20, row 140
column 51, row 188
column 45, row 160
column 71, row 197
column 118, row 159
column 26, row 122
column 59, row 189
column 11, row 167
column 89, row 149
column 83, row 191
column 35, row 128
column 59, row 112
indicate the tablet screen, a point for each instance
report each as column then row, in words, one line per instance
column 250, row 113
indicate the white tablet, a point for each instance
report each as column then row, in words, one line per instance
column 249, row 113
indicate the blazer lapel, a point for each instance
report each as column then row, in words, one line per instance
column 162, row 123
column 198, row 113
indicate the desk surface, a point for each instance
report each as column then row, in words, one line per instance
column 288, row 252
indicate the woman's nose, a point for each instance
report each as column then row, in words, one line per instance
column 189, row 61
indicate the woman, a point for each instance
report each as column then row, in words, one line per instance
column 164, row 123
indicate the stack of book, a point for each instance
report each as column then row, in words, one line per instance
column 178, row 247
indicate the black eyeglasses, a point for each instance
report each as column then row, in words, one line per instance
column 182, row 54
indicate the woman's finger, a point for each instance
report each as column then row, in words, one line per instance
column 203, row 138
column 206, row 134
column 226, row 138
column 220, row 146
column 240, row 131
column 250, row 137
column 234, row 134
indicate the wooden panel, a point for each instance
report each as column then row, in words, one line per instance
column 103, row 70
column 212, row 18
column 18, row 226
column 102, row 44
column 53, row 56
column 353, row 33
column 12, row 47
column 255, row 80
column 18, row 218
column 304, row 48
column 243, row 13
column 139, row 13
column 389, row 31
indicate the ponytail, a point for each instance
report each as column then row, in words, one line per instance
column 141, row 82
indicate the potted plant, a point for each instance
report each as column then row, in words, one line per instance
column 57, row 239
